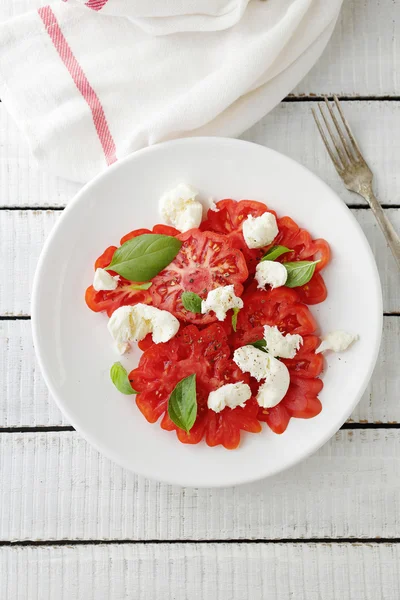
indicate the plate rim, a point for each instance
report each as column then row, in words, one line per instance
column 92, row 439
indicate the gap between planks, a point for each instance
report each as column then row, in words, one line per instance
column 297, row 541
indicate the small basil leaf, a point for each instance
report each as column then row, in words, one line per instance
column 234, row 318
column 192, row 302
column 275, row 252
column 119, row 377
column 141, row 286
column 259, row 344
column 182, row 404
column 143, row 257
column 299, row 272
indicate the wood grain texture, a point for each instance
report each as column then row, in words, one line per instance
column 26, row 402
column 55, row 486
column 23, row 184
column 362, row 57
column 22, row 234
column 201, row 572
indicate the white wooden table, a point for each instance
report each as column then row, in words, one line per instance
column 74, row 525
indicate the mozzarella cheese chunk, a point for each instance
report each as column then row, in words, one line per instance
column 260, row 231
column 132, row 324
column 220, row 301
column 276, row 384
column 252, row 360
column 284, row 346
column 209, row 204
column 180, row 208
column 231, row 394
column 269, row 272
column 338, row 341
column 104, row 281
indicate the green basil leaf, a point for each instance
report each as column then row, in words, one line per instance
column 141, row 286
column 182, row 404
column 119, row 377
column 275, row 252
column 234, row 318
column 259, row 344
column 191, row 302
column 143, row 257
column 299, row 272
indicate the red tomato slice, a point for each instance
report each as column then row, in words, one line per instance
column 207, row 354
column 303, row 246
column 110, row 300
column 314, row 291
column 278, row 307
column 160, row 229
column 306, row 363
column 204, row 262
column 228, row 220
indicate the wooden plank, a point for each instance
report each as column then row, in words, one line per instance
column 361, row 57
column 55, row 486
column 22, row 234
column 23, row 183
column 25, row 400
column 202, row 572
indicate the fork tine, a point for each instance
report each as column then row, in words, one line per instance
column 327, row 145
column 333, row 137
column 353, row 140
column 339, row 130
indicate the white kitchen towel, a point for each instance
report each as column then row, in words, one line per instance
column 88, row 88
column 162, row 17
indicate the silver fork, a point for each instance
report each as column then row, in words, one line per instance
column 352, row 168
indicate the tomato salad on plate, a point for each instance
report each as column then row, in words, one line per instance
column 217, row 299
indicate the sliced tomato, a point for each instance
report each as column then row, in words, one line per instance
column 205, row 353
column 314, row 291
column 300, row 241
column 204, row 262
column 110, row 300
column 278, row 307
column 306, row 364
column 228, row 220
column 160, row 229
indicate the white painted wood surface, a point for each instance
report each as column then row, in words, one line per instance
column 26, row 402
column 203, row 572
column 55, row 486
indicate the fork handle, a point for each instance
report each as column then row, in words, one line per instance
column 389, row 231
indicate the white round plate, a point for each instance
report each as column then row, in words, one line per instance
column 74, row 347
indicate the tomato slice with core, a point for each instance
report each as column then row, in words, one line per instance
column 207, row 354
column 204, row 262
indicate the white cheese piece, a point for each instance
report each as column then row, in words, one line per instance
column 260, row 231
column 338, row 341
column 180, row 208
column 231, row 394
column 209, row 204
column 104, row 281
column 132, row 324
column 276, row 384
column 220, row 301
column 284, row 346
column 252, row 360
column 269, row 272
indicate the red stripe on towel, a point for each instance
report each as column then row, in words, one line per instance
column 96, row 4
column 99, row 119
